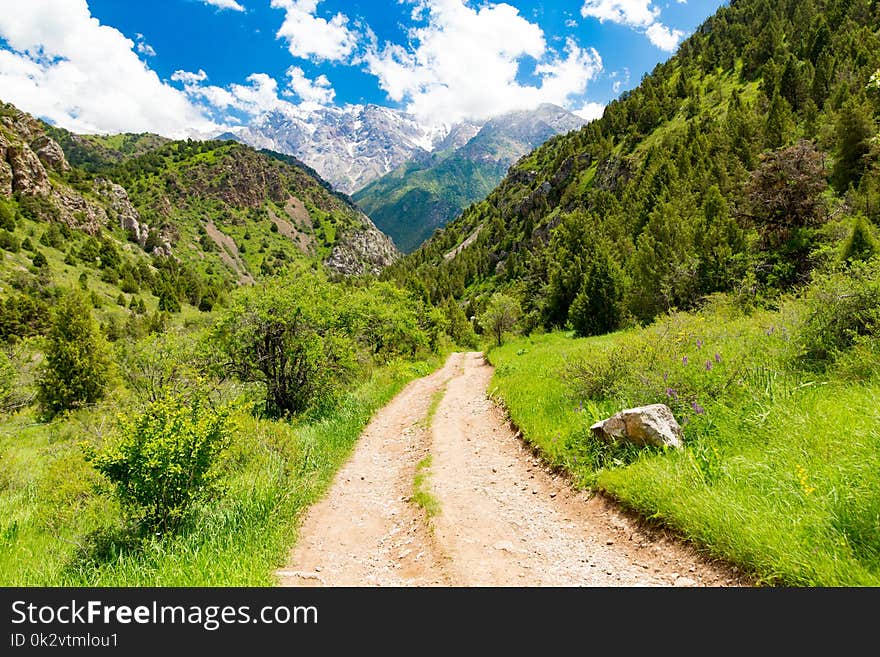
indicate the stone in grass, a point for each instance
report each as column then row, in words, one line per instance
column 645, row 425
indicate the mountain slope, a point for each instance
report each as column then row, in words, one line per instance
column 429, row 191
column 670, row 196
column 146, row 224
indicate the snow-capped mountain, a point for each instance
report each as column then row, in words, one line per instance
column 348, row 146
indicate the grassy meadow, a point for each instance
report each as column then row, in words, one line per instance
column 778, row 474
column 59, row 528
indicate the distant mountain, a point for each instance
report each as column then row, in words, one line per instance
column 349, row 146
column 430, row 190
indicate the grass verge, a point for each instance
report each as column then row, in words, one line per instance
column 57, row 529
column 778, row 472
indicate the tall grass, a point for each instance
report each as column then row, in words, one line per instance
column 778, row 474
column 57, row 529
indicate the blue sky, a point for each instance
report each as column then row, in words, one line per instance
column 192, row 66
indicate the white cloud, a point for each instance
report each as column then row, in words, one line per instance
column 258, row 96
column 224, row 4
column 310, row 36
column 61, row 64
column 638, row 14
column 465, row 62
column 635, row 13
column 261, row 93
column 317, row 92
column 189, row 78
column 590, row 111
column 663, row 37
column 143, row 47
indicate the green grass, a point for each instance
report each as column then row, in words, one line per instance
column 58, row 527
column 779, row 471
column 421, row 494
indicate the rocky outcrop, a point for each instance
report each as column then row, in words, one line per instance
column 364, row 251
column 25, row 173
column 122, row 210
column 50, row 153
column 646, row 425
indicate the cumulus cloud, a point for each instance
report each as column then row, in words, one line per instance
column 590, row 111
column 317, row 92
column 663, row 37
column 143, row 47
column 436, row 75
column 61, row 64
column 638, row 14
column 311, row 36
column 224, row 4
column 189, row 78
column 261, row 94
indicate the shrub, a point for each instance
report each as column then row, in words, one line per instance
column 163, row 461
column 841, row 309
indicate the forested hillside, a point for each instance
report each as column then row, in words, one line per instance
column 741, row 164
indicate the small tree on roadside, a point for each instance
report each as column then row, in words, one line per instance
column 500, row 316
column 75, row 372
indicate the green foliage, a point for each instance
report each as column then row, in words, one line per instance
column 22, row 316
column 854, row 130
column 598, row 307
column 459, row 327
column 500, row 316
column 163, row 461
column 39, row 260
column 76, row 368
column 282, row 334
column 861, row 243
column 842, row 310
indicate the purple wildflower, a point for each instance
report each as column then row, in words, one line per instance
column 717, row 358
column 699, row 410
column 699, row 343
column 708, row 365
column 672, row 392
column 684, row 361
column 665, row 377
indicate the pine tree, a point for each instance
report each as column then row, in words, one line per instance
column 853, row 133
column 76, row 370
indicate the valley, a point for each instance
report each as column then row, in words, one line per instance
column 343, row 346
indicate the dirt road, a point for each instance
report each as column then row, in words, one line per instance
column 504, row 520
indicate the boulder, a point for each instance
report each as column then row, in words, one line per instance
column 645, row 425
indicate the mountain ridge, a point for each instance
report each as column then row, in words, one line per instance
column 424, row 194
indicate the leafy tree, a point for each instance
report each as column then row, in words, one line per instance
column 500, row 316
column 780, row 123
column 785, row 191
column 598, row 307
column 665, row 263
column 39, row 260
column 460, row 328
column 281, row 334
column 76, row 369
column 861, row 243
